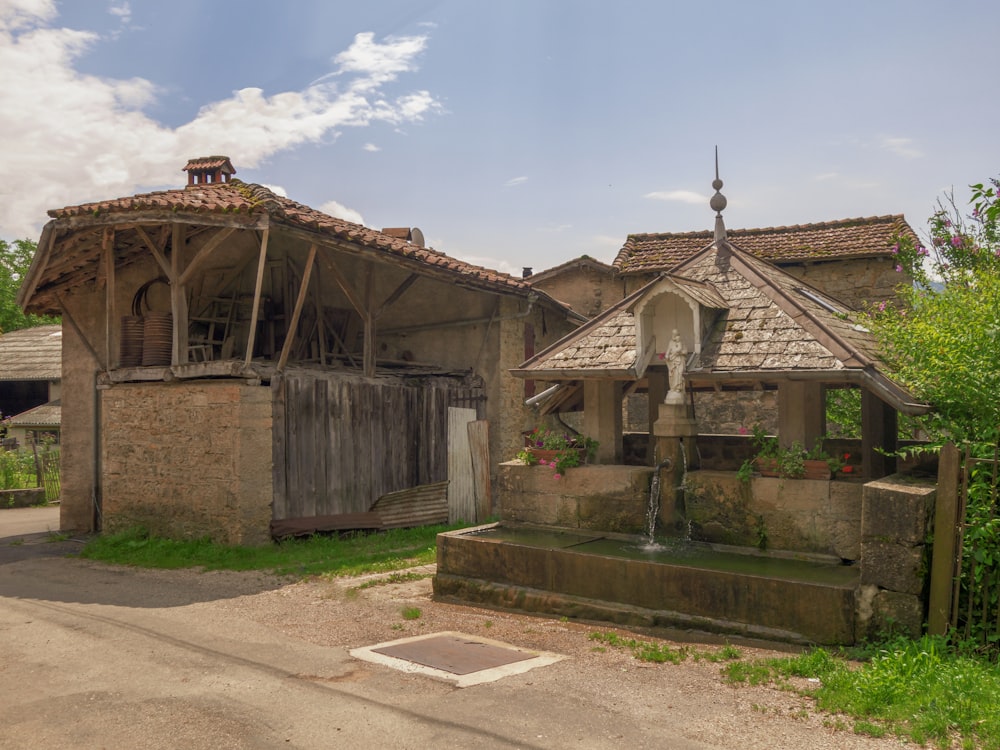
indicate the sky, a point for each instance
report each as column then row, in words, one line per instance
column 513, row 133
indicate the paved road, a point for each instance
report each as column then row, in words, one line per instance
column 95, row 656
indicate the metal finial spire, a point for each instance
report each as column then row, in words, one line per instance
column 718, row 202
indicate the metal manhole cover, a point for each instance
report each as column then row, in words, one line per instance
column 455, row 654
column 463, row 659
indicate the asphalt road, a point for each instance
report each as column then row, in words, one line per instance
column 95, row 656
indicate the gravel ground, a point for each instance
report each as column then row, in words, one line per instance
column 339, row 613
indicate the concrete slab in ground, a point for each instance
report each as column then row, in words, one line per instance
column 462, row 659
column 20, row 523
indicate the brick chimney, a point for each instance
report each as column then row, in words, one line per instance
column 209, row 170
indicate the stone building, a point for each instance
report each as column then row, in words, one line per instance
column 232, row 359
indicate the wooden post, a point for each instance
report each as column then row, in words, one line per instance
column 178, row 300
column 479, row 446
column 369, row 319
column 252, row 338
column 299, row 302
column 879, row 425
column 110, row 316
column 944, row 555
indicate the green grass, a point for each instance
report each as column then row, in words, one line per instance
column 318, row 555
column 927, row 691
column 660, row 653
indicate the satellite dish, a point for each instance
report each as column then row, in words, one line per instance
column 417, row 237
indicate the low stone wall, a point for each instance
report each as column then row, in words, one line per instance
column 796, row 515
column 600, row 497
column 188, row 460
column 22, row 498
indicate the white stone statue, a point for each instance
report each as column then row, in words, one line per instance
column 675, row 356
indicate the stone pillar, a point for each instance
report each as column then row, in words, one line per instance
column 602, row 418
column 895, row 517
column 674, row 434
column 657, row 391
column 801, row 413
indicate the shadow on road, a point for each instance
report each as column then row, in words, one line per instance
column 39, row 563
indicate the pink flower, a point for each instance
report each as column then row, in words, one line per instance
column 899, row 268
column 921, row 250
column 956, row 241
column 881, row 306
column 895, row 248
column 743, row 430
column 557, row 476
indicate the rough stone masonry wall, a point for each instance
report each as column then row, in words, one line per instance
column 188, row 460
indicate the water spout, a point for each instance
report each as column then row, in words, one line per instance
column 654, row 501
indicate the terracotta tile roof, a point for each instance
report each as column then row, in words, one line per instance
column 31, row 354
column 249, row 205
column 846, row 238
column 209, row 162
column 584, row 261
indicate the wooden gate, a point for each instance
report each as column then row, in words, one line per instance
column 342, row 441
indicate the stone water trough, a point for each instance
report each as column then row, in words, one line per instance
column 841, row 559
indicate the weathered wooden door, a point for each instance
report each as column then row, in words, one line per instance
column 343, row 441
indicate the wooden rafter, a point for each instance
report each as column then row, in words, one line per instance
column 297, row 311
column 255, row 312
column 156, row 251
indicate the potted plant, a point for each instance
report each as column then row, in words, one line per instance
column 793, row 462
column 560, row 450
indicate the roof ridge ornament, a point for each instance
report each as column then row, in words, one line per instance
column 718, row 202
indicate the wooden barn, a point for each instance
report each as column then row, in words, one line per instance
column 236, row 364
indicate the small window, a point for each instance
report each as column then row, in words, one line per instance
column 824, row 303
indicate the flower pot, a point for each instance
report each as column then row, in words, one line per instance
column 766, row 467
column 816, row 468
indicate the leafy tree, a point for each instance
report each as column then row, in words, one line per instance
column 943, row 341
column 15, row 259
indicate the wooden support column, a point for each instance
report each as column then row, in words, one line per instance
column 178, row 299
column 879, row 428
column 255, row 313
column 801, row 413
column 369, row 320
column 602, row 418
column 300, row 300
column 946, row 525
column 110, row 314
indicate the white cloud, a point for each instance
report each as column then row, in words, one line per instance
column 339, row 210
column 371, row 147
column 514, row 182
column 826, row 176
column 122, row 11
column 276, row 189
column 905, row 147
column 680, row 196
column 69, row 137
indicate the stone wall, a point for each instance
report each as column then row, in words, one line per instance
column 796, row 515
column 599, row 498
column 188, row 459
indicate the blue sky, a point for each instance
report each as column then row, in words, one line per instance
column 512, row 132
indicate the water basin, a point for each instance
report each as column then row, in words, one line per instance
column 675, row 584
